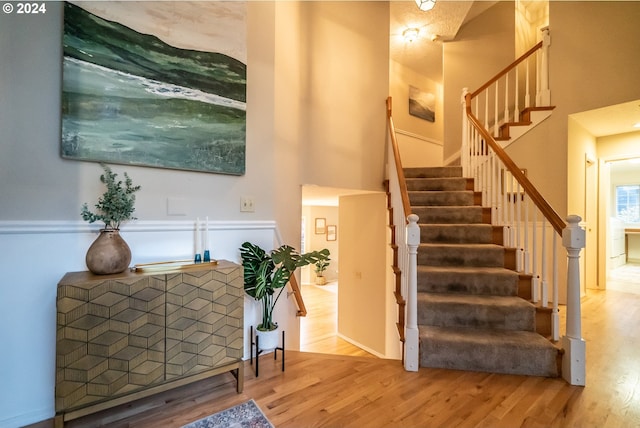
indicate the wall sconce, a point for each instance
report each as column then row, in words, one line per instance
column 425, row 5
column 410, row 34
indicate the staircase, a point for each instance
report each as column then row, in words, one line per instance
column 473, row 308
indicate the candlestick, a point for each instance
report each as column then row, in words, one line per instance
column 197, row 258
column 206, row 233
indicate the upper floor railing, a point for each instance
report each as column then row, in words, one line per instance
column 509, row 97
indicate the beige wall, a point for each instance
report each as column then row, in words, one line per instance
column 319, row 241
column 363, row 293
column 317, row 79
column 400, row 78
column 482, row 48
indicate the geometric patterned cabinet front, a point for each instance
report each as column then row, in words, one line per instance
column 126, row 336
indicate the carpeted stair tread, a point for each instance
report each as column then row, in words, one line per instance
column 456, row 184
column 476, row 311
column 468, row 279
column 433, row 172
column 446, row 214
column 488, row 255
column 495, row 351
column 441, row 198
column 470, row 315
column 456, row 233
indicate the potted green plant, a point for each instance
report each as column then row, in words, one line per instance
column 265, row 276
column 109, row 253
column 320, row 266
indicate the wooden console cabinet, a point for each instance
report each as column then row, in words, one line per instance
column 127, row 336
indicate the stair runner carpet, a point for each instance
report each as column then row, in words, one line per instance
column 470, row 316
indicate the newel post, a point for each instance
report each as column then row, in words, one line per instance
column 464, row 155
column 412, row 335
column 573, row 360
column 543, row 97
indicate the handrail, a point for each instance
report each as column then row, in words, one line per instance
column 297, row 294
column 554, row 219
column 396, row 154
column 293, row 283
column 507, row 69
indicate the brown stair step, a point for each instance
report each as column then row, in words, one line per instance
column 476, row 311
column 494, row 351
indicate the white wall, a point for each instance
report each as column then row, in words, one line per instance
column 333, row 110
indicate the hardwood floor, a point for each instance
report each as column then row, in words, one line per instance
column 323, row 390
column 318, row 330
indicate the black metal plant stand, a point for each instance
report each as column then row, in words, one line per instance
column 255, row 343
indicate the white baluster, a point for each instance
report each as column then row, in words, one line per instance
column 535, row 289
column 573, row 360
column 486, row 108
column 543, row 272
column 495, row 113
column 516, row 107
column 555, row 312
column 519, row 229
column 412, row 334
column 527, row 254
column 527, row 94
column 506, row 98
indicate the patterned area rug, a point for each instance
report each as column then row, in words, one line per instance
column 245, row 415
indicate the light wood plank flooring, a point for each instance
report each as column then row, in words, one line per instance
column 319, row 329
column 322, row 390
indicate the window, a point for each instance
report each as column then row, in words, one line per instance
column 628, row 203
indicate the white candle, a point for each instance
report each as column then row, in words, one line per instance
column 206, row 233
column 197, row 235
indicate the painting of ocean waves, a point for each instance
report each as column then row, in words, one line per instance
column 130, row 98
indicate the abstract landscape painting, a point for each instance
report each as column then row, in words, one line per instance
column 133, row 97
column 422, row 104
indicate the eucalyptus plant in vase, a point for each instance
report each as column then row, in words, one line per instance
column 109, row 253
column 265, row 277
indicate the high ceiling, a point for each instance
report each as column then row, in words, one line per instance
column 444, row 21
column 435, row 26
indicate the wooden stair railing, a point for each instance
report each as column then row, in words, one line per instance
column 507, row 190
column 297, row 294
column 404, row 243
column 499, row 108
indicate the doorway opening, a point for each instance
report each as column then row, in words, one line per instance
column 623, row 235
column 320, row 228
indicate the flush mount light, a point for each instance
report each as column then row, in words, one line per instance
column 425, row 5
column 410, row 34
column 637, row 125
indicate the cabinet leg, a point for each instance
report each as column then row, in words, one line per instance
column 240, row 380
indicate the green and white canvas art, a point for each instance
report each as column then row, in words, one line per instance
column 160, row 84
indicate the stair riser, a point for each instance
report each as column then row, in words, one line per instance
column 478, row 284
column 443, row 198
column 436, row 184
column 493, row 357
column 476, row 316
column 433, row 172
column 461, row 256
column 448, row 215
column 458, row 234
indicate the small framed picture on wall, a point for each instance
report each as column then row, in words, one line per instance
column 321, row 226
column 332, row 232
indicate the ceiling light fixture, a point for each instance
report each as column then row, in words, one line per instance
column 410, row 34
column 637, row 125
column 425, row 5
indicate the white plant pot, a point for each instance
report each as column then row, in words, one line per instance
column 268, row 340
